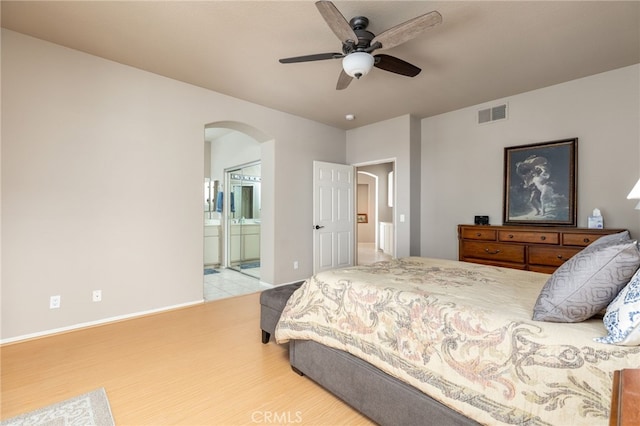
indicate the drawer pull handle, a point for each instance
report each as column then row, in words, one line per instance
column 510, row 235
column 559, row 256
column 586, row 240
column 543, row 238
column 492, row 252
column 478, row 234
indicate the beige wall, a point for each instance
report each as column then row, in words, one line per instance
column 462, row 162
column 230, row 150
column 102, row 169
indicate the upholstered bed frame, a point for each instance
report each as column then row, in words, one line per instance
column 384, row 399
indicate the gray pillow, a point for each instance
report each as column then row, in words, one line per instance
column 587, row 282
column 606, row 239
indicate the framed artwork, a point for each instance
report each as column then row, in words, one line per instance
column 540, row 182
column 362, row 218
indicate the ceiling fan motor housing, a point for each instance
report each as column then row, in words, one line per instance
column 359, row 25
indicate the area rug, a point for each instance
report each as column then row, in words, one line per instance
column 89, row 409
column 250, row 265
column 209, row 271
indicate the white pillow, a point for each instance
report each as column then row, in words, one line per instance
column 622, row 319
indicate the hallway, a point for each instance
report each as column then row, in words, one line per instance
column 368, row 254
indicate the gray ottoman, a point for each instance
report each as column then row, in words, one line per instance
column 272, row 303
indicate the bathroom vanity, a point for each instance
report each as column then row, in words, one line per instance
column 212, row 244
column 245, row 242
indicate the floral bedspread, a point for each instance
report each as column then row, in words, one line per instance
column 462, row 333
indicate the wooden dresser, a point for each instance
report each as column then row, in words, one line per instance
column 533, row 248
column 625, row 398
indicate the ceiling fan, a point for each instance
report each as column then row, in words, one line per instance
column 358, row 44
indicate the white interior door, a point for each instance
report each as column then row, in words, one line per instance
column 333, row 216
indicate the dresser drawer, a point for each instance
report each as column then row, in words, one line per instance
column 550, row 256
column 502, row 252
column 579, row 239
column 542, row 268
column 537, row 237
column 536, row 248
column 478, row 234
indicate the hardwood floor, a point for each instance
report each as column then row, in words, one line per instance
column 202, row 365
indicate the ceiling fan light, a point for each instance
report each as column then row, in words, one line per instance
column 357, row 64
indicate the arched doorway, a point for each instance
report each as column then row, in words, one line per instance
column 375, row 212
column 232, row 207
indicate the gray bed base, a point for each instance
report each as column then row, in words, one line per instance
column 384, row 399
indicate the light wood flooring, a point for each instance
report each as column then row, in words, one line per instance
column 202, row 365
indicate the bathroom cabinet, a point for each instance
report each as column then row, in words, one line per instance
column 212, row 245
column 245, row 242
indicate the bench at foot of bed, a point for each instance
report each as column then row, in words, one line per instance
column 272, row 302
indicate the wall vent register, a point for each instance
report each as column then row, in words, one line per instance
column 492, row 114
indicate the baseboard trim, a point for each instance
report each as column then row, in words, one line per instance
column 103, row 321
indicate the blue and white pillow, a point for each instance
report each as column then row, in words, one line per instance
column 622, row 319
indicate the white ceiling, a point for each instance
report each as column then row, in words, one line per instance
column 482, row 51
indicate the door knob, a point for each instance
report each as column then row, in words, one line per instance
column 318, row 227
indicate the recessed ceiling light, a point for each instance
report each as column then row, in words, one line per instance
column 350, row 117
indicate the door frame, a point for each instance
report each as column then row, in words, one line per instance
column 393, row 161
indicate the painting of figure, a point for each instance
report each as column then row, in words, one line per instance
column 540, row 182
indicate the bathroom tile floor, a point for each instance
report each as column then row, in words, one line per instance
column 229, row 283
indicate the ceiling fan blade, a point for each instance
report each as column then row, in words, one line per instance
column 343, row 80
column 336, row 21
column 308, row 58
column 395, row 65
column 407, row 30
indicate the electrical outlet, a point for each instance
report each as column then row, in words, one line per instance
column 97, row 296
column 295, row 264
column 54, row 302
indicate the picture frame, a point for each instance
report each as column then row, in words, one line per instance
column 362, row 218
column 540, row 182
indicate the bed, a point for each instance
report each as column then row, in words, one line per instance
column 430, row 341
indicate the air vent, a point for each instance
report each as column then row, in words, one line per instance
column 492, row 114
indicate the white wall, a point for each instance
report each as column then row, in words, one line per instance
column 230, row 150
column 102, row 170
column 462, row 162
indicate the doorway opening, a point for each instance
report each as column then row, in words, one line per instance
column 230, row 146
column 375, row 207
